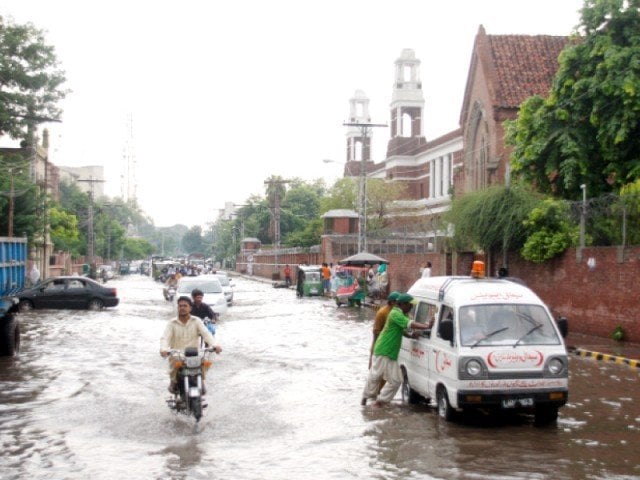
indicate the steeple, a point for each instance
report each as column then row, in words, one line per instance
column 358, row 147
column 407, row 107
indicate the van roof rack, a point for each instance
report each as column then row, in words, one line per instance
column 446, row 284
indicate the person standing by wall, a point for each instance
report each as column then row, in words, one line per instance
column 287, row 275
column 326, row 278
column 426, row 271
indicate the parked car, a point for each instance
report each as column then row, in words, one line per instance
column 210, row 286
column 68, row 292
column 227, row 288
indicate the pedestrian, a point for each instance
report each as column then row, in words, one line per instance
column 381, row 320
column 287, row 275
column 426, row 271
column 326, row 278
column 385, row 353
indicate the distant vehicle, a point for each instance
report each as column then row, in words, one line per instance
column 106, row 268
column 68, row 292
column 210, row 286
column 227, row 288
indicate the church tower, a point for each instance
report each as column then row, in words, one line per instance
column 358, row 146
column 407, row 107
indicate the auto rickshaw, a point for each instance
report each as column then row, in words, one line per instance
column 351, row 285
column 309, row 281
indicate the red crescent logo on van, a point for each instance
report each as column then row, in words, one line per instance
column 507, row 358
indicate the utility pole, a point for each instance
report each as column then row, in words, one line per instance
column 276, row 215
column 91, row 232
column 365, row 129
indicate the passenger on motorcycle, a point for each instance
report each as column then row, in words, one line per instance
column 203, row 310
column 181, row 332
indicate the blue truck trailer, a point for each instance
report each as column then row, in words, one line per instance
column 13, row 270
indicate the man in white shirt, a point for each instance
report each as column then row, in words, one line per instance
column 182, row 332
column 426, row 271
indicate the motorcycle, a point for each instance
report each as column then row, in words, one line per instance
column 189, row 397
column 169, row 293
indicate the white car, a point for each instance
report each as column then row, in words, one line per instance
column 210, row 286
column 226, row 287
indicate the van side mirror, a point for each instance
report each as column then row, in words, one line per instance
column 445, row 330
column 563, row 326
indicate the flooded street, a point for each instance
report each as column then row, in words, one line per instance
column 86, row 399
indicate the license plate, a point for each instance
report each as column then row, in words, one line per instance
column 313, row 290
column 517, row 402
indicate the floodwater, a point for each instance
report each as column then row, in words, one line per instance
column 86, row 399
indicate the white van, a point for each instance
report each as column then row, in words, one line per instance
column 493, row 345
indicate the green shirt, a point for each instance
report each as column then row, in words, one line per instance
column 389, row 341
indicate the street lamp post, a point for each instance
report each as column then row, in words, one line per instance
column 365, row 129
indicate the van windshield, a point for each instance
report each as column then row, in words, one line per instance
column 506, row 324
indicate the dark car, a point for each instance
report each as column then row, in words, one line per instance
column 68, row 292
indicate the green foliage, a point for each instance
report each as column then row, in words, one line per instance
column 549, row 231
column 618, row 333
column 136, row 249
column 343, row 194
column 192, row 241
column 31, row 80
column 490, row 219
column 28, row 200
column 64, row 231
column 588, row 129
column 309, row 236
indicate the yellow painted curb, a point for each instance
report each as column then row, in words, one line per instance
column 608, row 358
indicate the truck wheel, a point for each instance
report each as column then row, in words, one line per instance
column 25, row 306
column 9, row 336
column 545, row 415
column 445, row 411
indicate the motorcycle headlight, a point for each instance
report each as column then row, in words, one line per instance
column 192, row 362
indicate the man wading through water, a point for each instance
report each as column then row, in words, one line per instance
column 385, row 354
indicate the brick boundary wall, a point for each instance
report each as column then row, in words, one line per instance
column 595, row 301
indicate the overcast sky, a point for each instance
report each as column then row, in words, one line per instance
column 225, row 94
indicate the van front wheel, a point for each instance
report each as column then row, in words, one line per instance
column 409, row 395
column 545, row 415
column 445, row 411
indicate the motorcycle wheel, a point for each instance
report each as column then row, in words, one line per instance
column 196, row 408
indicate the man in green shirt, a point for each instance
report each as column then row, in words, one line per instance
column 385, row 353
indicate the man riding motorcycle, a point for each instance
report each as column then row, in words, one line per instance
column 181, row 332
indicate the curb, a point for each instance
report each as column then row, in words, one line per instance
column 608, row 358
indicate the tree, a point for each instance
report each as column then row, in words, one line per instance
column 587, row 131
column 550, row 231
column 30, row 80
column 192, row 240
column 491, row 219
column 136, row 249
column 20, row 194
column 380, row 197
column 64, row 231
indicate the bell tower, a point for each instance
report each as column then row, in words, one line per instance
column 407, row 107
column 358, row 146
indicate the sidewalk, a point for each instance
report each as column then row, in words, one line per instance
column 598, row 348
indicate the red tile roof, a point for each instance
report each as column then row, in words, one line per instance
column 524, row 66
